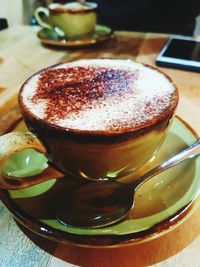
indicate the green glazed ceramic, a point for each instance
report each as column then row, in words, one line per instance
column 25, row 163
column 72, row 19
column 161, row 204
column 101, row 34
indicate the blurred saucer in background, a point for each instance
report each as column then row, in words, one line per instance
column 49, row 37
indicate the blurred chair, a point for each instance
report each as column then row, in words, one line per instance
column 3, row 24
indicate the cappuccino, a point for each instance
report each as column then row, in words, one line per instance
column 71, row 20
column 101, row 95
column 100, row 118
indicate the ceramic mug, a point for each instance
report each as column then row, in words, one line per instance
column 70, row 20
column 86, row 153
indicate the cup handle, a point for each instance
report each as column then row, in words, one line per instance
column 16, row 141
column 45, row 25
column 45, row 11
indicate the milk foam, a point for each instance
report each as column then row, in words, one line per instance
column 73, row 6
column 148, row 94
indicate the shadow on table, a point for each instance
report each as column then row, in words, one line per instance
column 121, row 47
column 140, row 255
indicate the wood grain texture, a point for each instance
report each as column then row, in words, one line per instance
column 21, row 55
column 15, row 248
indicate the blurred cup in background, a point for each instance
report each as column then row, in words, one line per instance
column 71, row 20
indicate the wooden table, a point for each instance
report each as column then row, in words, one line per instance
column 21, row 54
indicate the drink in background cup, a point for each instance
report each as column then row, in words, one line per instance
column 72, row 20
column 100, row 118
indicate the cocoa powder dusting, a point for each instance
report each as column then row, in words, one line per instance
column 71, row 90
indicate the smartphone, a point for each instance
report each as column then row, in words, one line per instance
column 180, row 52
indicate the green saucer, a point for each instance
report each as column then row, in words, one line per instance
column 101, row 34
column 161, row 204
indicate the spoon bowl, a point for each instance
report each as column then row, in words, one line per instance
column 96, row 204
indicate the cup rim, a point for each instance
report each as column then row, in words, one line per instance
column 91, row 8
column 123, row 134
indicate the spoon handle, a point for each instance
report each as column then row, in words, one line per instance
column 189, row 152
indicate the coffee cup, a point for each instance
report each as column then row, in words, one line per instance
column 69, row 20
column 96, row 119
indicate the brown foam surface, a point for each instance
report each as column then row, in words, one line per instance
column 98, row 94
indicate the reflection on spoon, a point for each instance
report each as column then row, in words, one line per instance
column 55, row 33
column 59, row 32
column 98, row 204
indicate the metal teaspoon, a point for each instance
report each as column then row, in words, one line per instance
column 99, row 204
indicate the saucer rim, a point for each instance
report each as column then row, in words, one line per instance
column 75, row 43
column 129, row 239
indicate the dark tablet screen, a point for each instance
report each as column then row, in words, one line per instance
column 183, row 49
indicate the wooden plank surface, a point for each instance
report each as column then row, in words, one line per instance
column 21, row 54
column 16, row 249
